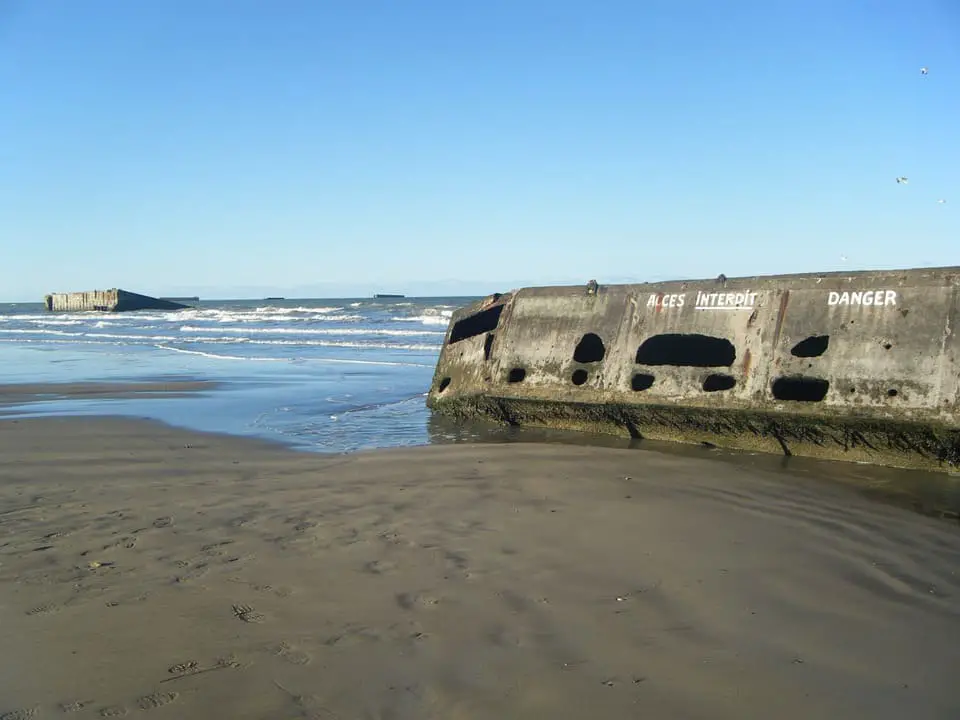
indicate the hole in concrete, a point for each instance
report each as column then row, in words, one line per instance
column 487, row 347
column 800, row 389
column 686, row 351
column 892, row 392
column 444, row 384
column 589, row 349
column 887, row 346
column 516, row 375
column 813, row 346
column 641, row 381
column 716, row 383
column 482, row 322
column 579, row 377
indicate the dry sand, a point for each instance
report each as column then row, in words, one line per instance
column 148, row 570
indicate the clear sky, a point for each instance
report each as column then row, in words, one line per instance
column 242, row 147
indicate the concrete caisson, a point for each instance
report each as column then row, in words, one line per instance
column 856, row 366
column 113, row 300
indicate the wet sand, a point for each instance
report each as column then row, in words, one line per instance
column 32, row 392
column 145, row 569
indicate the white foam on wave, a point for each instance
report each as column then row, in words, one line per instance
column 56, row 322
column 216, row 356
column 439, row 315
column 34, row 331
column 311, row 331
column 344, row 344
column 425, row 319
column 344, row 361
column 291, row 315
column 222, row 340
column 271, row 310
column 49, row 317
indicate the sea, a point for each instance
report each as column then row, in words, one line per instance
column 332, row 375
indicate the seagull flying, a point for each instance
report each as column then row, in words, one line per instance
column 902, row 180
column 942, row 201
column 923, row 71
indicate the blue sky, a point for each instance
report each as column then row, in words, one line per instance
column 338, row 147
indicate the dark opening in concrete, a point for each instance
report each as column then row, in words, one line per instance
column 800, row 389
column 444, row 384
column 487, row 347
column 686, row 351
column 717, row 383
column 516, row 375
column 579, row 377
column 589, row 349
column 813, row 346
column 892, row 392
column 482, row 322
column 641, row 381
column 887, row 346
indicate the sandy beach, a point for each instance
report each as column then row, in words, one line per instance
column 150, row 570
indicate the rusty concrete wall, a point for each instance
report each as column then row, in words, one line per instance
column 113, row 300
column 859, row 366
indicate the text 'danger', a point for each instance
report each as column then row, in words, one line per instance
column 873, row 298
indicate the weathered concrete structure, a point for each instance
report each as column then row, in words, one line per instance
column 858, row 366
column 106, row 301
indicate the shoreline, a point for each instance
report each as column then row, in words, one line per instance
column 29, row 393
column 931, row 493
column 147, row 567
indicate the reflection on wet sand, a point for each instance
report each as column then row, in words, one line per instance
column 928, row 493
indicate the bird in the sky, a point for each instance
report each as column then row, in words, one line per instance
column 902, row 180
column 942, row 201
column 923, row 71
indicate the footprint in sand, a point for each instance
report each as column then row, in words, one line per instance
column 248, row 614
column 291, row 654
column 20, row 714
column 74, row 706
column 157, row 700
column 230, row 661
column 162, row 522
column 194, row 573
column 210, row 547
column 184, row 668
column 411, row 601
column 112, row 711
column 44, row 609
column 353, row 634
column 379, row 567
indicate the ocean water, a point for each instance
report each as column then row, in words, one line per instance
column 327, row 375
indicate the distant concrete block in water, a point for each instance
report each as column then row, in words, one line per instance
column 860, row 366
column 107, row 301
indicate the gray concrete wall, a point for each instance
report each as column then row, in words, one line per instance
column 82, row 301
column 113, row 300
column 859, row 366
